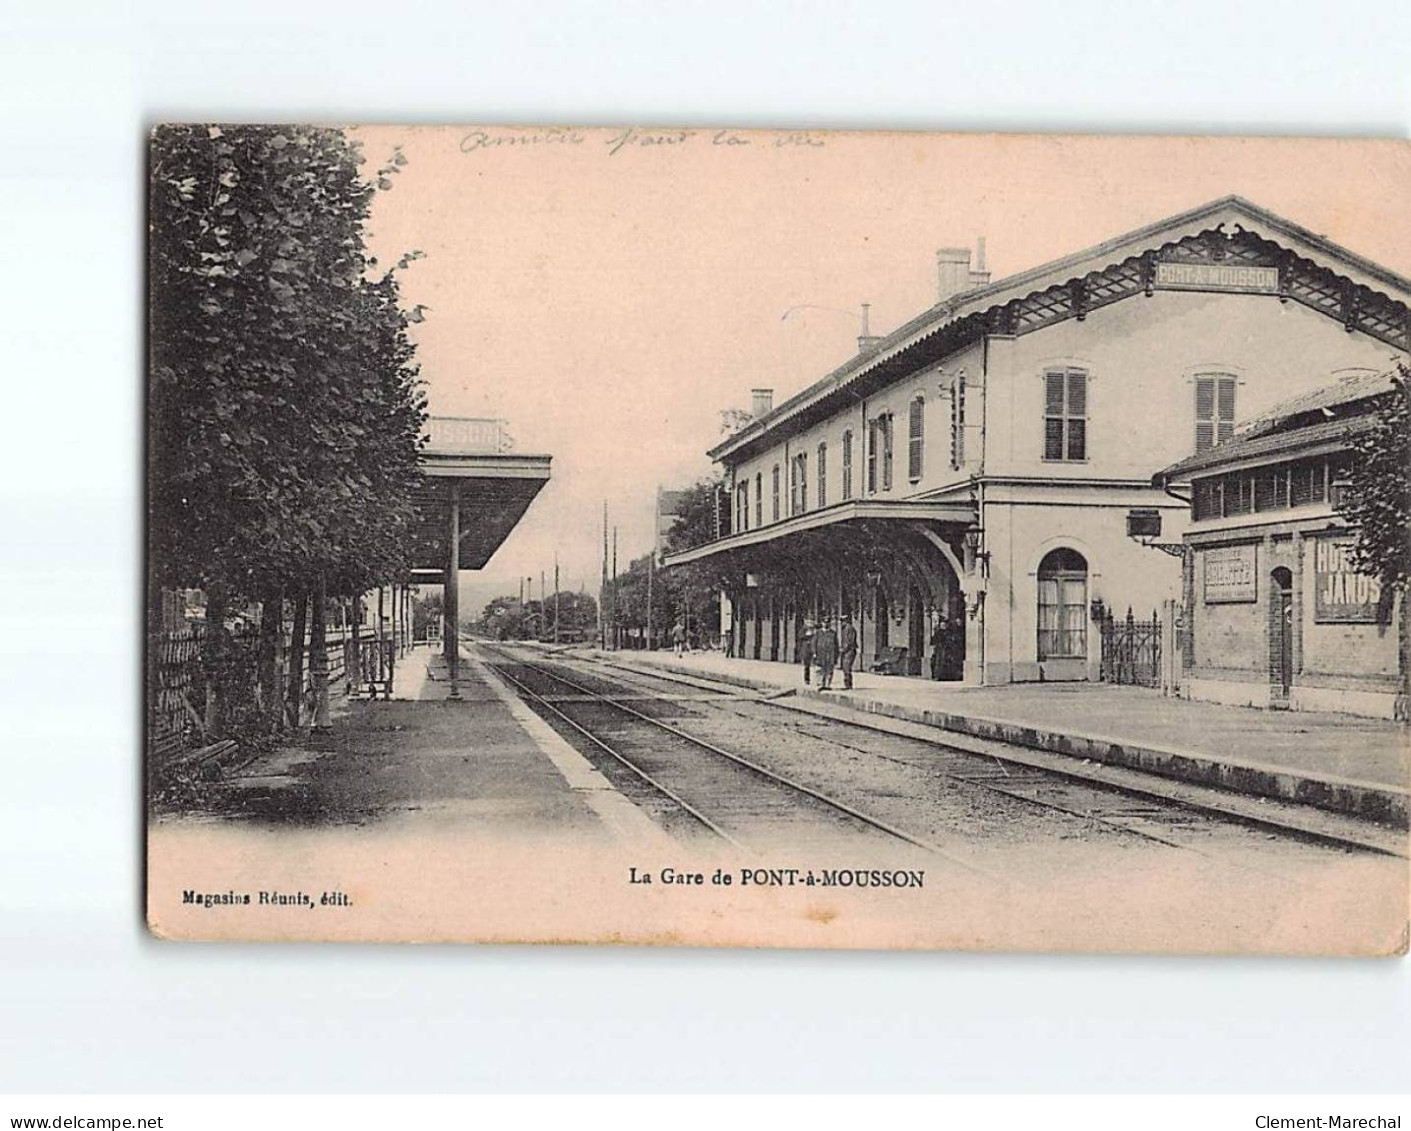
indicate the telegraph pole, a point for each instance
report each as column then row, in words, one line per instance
column 556, row 596
column 603, row 588
column 651, row 569
column 614, row 588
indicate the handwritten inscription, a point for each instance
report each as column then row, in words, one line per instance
column 634, row 139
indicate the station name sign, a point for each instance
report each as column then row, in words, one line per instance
column 1230, row 575
column 1218, row 277
column 1342, row 595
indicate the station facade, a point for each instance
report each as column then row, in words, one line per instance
column 961, row 487
column 1279, row 616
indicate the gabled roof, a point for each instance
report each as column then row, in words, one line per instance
column 1350, row 389
column 1330, row 415
column 1240, row 448
column 949, row 325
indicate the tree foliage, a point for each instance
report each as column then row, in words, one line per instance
column 285, row 410
column 1377, row 500
column 507, row 618
column 701, row 517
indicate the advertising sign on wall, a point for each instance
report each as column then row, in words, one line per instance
column 1341, row 595
column 1230, row 575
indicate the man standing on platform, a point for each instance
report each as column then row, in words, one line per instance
column 847, row 650
column 806, row 650
column 825, row 651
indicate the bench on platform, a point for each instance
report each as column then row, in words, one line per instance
column 890, row 661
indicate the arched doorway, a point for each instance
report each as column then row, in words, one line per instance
column 1280, row 635
column 915, row 630
column 882, row 615
column 1063, row 614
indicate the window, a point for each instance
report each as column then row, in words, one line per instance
column 915, row 438
column 776, row 492
column 798, row 484
column 822, row 475
column 759, row 498
column 1065, row 414
column 1063, row 605
column 957, row 422
column 1214, row 410
column 847, row 464
column 742, row 506
column 879, row 453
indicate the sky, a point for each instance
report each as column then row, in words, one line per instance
column 609, row 291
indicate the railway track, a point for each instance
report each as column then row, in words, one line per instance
column 1130, row 813
column 729, row 795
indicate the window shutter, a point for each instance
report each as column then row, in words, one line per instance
column 1226, row 408
column 1053, row 394
column 916, row 438
column 887, row 452
column 822, row 475
column 1078, row 439
column 1077, row 394
column 1204, row 413
column 1204, row 398
column 1053, row 438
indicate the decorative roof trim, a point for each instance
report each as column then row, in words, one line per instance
column 1061, row 289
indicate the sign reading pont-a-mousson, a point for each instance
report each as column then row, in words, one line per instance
column 1218, row 277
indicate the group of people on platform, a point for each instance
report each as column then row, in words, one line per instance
column 827, row 648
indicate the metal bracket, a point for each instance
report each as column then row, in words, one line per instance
column 1175, row 549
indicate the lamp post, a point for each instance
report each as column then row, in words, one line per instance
column 971, row 546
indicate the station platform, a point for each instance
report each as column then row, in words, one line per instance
column 1341, row 763
column 484, row 765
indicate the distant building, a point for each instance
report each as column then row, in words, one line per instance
column 967, row 478
column 1275, row 614
column 667, row 515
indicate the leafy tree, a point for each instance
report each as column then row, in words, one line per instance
column 1377, row 502
column 285, row 411
column 701, row 516
column 284, row 407
column 1378, row 497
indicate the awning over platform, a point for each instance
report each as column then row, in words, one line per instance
column 470, row 460
column 857, row 520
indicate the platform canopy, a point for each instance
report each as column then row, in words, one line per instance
column 472, row 460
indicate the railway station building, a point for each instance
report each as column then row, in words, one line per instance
column 963, row 484
column 1277, row 615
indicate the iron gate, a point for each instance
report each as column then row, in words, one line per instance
column 1131, row 649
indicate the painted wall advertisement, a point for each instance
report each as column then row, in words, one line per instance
column 1341, row 595
column 1230, row 575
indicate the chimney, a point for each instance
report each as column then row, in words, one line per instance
column 866, row 339
column 980, row 275
column 954, row 273
column 761, row 402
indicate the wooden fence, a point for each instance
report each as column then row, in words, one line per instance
column 180, row 672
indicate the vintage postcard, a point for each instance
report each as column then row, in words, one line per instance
column 717, row 537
